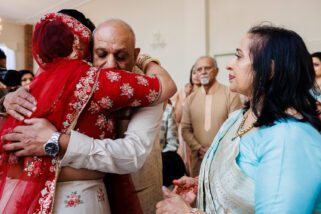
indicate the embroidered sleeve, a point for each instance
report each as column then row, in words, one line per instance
column 119, row 89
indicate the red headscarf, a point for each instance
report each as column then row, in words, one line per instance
column 58, row 36
column 57, row 43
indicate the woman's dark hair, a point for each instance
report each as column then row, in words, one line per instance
column 317, row 55
column 190, row 75
column 283, row 76
column 80, row 17
column 2, row 54
column 23, row 72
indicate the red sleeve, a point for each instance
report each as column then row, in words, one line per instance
column 117, row 89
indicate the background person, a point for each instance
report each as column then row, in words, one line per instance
column 178, row 101
column 266, row 157
column 205, row 110
column 3, row 60
column 26, row 77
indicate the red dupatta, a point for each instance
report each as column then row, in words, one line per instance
column 36, row 176
column 53, row 88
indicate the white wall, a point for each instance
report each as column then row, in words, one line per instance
column 13, row 37
column 230, row 19
column 191, row 28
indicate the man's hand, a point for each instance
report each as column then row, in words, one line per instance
column 20, row 103
column 172, row 203
column 188, row 89
column 29, row 140
column 201, row 152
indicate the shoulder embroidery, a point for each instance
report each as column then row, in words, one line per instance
column 127, row 90
column 151, row 97
column 82, row 92
column 141, row 80
column 94, row 107
column 113, row 76
column 106, row 103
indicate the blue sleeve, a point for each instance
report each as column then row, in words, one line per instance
column 288, row 178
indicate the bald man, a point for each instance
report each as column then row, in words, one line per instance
column 205, row 110
column 114, row 47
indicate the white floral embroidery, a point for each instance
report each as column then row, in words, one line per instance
column 73, row 200
column 101, row 121
column 33, row 167
column 97, row 86
column 82, row 92
column 126, row 90
column 110, row 125
column 142, row 80
column 100, row 194
column 113, row 76
column 94, row 107
column 46, row 197
column 151, row 97
column 72, row 23
column 106, row 103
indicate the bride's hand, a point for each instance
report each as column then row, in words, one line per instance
column 172, row 203
column 186, row 187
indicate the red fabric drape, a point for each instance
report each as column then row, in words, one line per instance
column 54, row 89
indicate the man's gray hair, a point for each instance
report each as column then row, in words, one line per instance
column 209, row 57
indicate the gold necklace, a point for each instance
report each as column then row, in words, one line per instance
column 240, row 131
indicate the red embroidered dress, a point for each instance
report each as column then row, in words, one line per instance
column 72, row 95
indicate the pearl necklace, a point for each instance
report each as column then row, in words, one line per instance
column 240, row 131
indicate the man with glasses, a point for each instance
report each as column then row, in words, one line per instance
column 205, row 110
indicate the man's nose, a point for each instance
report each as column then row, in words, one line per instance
column 110, row 62
column 203, row 71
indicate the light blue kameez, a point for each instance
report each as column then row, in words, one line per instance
column 284, row 161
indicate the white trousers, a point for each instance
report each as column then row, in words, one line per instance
column 77, row 197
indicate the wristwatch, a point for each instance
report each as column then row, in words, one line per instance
column 51, row 148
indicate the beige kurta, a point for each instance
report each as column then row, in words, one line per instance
column 148, row 180
column 203, row 115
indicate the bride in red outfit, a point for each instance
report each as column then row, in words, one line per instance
column 71, row 95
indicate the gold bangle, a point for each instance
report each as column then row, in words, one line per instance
column 143, row 60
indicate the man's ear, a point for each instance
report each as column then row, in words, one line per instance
column 136, row 53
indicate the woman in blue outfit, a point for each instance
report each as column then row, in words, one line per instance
column 266, row 158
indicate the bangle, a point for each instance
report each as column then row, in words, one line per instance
column 144, row 59
column 194, row 211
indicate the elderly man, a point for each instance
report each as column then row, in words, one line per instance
column 205, row 110
column 114, row 47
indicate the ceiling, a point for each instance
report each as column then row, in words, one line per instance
column 29, row 11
